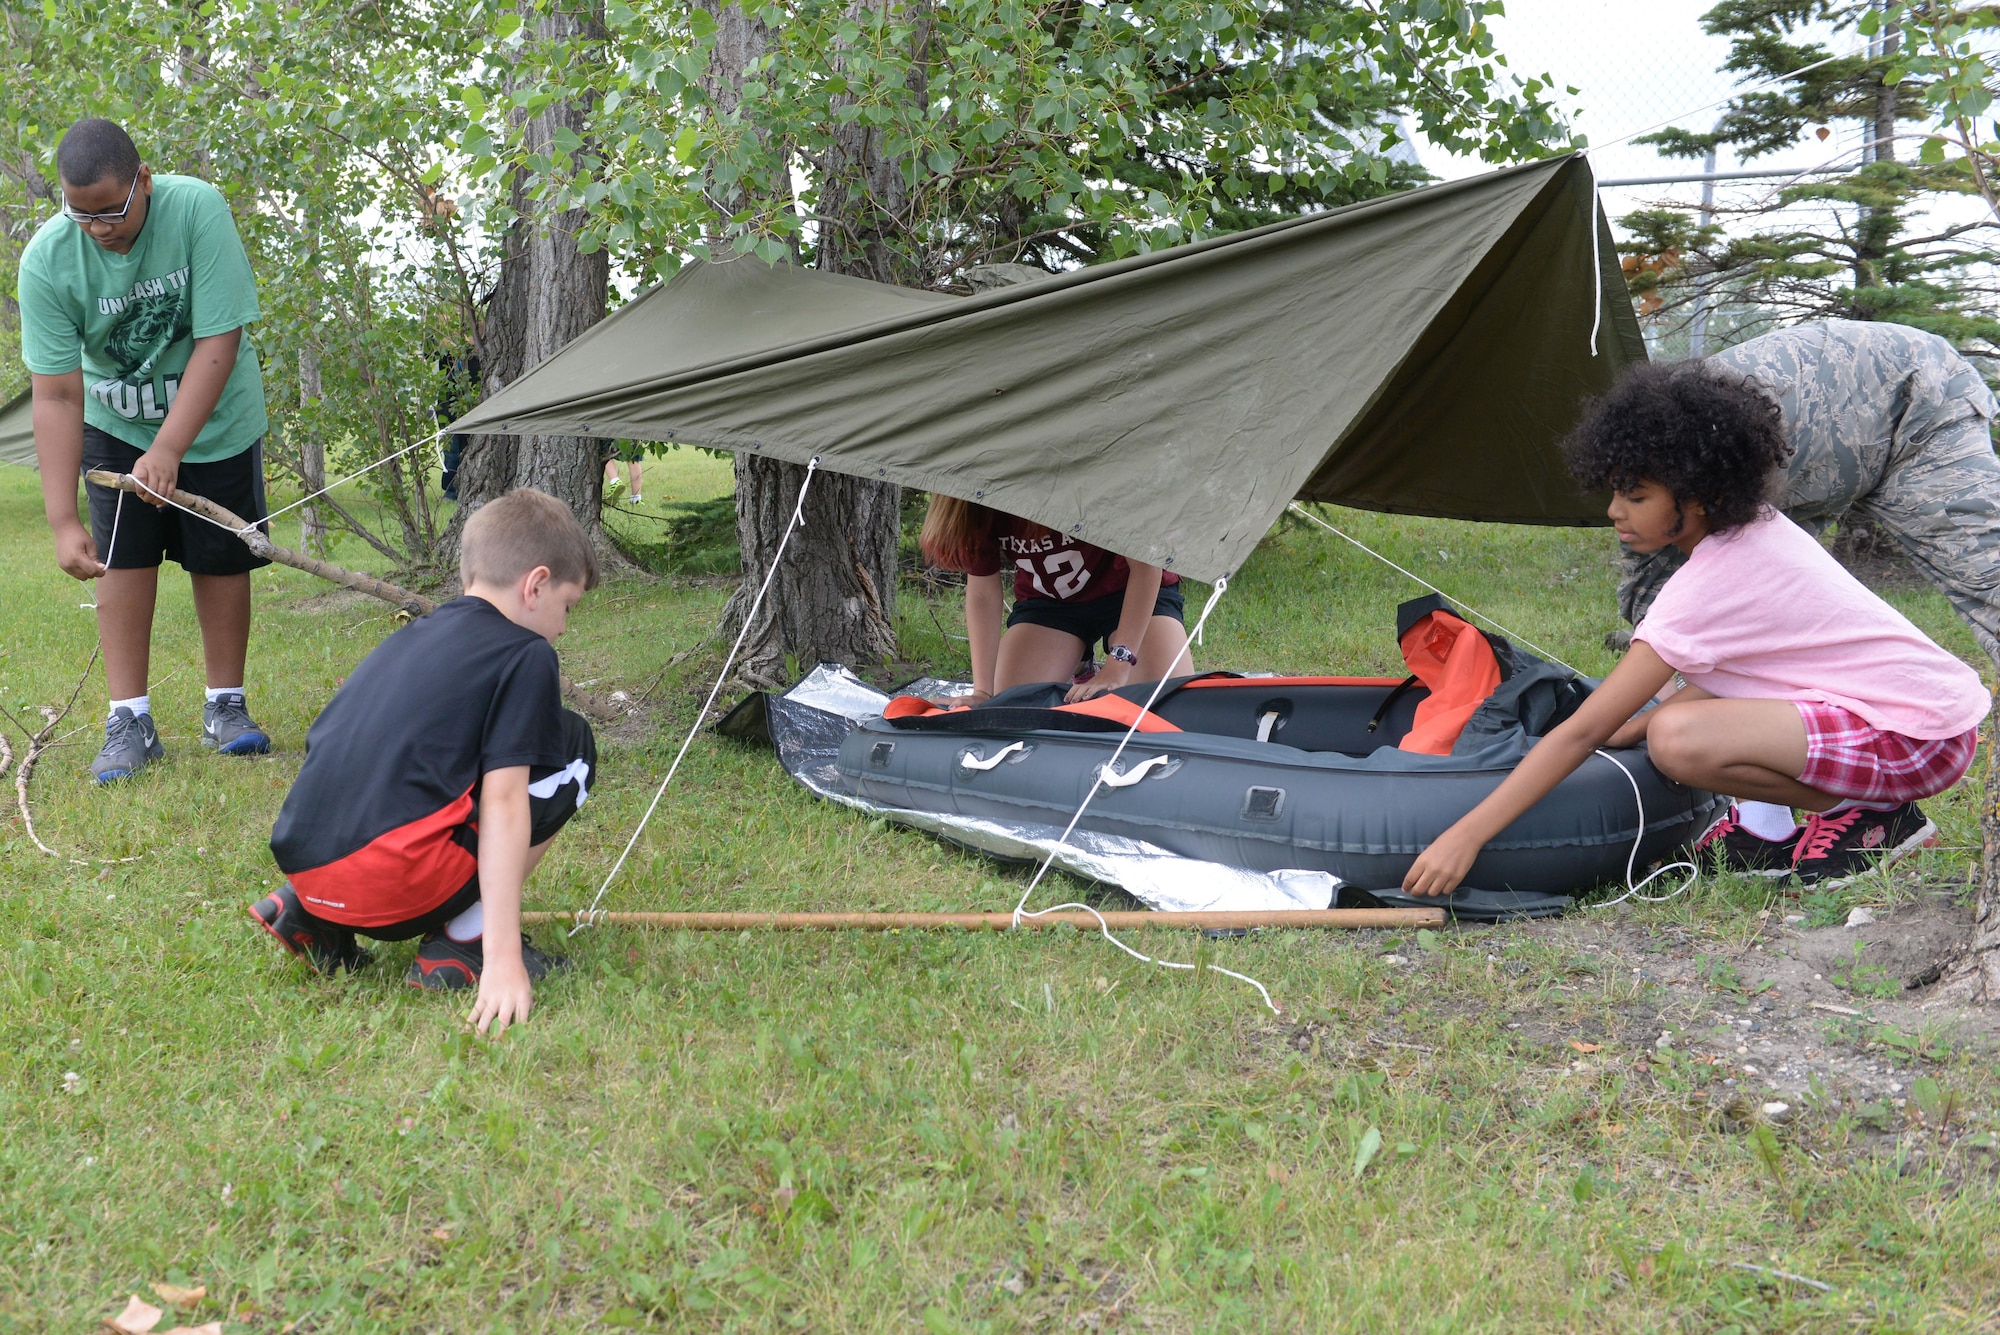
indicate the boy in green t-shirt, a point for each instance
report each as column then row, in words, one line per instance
column 133, row 303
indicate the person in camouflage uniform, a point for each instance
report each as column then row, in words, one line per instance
column 1888, row 423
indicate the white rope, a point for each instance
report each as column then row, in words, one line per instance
column 116, row 514
column 1632, row 859
column 251, row 527
column 110, row 546
column 168, row 500
column 591, row 916
column 1596, row 260
column 1457, row 602
column 387, row 458
column 1110, row 767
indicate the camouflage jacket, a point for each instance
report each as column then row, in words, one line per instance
column 1859, row 399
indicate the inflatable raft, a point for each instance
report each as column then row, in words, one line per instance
column 1348, row 775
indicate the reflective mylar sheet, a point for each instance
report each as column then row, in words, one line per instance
column 809, row 722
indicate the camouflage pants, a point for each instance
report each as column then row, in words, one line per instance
column 1943, row 509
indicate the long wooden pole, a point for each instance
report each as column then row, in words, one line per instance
column 413, row 603
column 1000, row 922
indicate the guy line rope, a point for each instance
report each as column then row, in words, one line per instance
column 591, row 916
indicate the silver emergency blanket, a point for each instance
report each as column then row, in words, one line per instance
column 808, row 723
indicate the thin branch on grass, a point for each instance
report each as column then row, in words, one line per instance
column 37, row 745
column 1780, row 1274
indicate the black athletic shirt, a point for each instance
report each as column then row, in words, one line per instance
column 373, row 831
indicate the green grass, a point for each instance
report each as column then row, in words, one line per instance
column 877, row 1132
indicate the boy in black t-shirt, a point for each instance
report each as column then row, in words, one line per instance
column 422, row 812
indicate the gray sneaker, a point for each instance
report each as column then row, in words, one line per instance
column 226, row 726
column 131, row 743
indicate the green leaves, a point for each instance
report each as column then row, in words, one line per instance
column 1365, row 1151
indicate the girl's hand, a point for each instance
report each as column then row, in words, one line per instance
column 1109, row 678
column 1440, row 868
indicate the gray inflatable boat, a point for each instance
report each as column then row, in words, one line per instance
column 1271, row 773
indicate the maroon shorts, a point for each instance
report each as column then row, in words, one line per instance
column 1848, row 758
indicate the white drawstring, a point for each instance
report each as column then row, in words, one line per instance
column 1596, row 259
column 1632, row 859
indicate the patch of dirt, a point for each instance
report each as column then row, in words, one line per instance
column 1853, row 1007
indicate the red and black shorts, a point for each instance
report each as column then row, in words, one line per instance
column 147, row 534
column 554, row 795
column 1848, row 758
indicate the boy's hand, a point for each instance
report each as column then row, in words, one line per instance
column 1439, row 868
column 504, row 995
column 160, row 471
column 76, row 552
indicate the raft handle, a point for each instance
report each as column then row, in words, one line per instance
column 1109, row 779
column 971, row 760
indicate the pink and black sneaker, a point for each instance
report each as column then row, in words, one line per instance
column 1840, row 845
column 1737, row 850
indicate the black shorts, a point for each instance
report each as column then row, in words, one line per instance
column 148, row 534
column 625, row 451
column 1094, row 619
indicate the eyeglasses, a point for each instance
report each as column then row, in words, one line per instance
column 110, row 219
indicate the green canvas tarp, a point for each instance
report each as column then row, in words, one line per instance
column 1422, row 353
column 17, row 431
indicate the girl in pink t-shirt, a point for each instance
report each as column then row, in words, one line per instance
column 1792, row 686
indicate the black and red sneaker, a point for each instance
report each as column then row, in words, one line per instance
column 1737, row 850
column 326, row 946
column 1841, row 845
column 445, row 965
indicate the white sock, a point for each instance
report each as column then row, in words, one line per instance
column 469, row 925
column 1766, row 820
column 217, row 692
column 138, row 704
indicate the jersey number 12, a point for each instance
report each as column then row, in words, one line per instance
column 1065, row 567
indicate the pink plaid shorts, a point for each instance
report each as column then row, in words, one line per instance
column 1848, row 758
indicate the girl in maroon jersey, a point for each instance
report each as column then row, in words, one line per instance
column 1068, row 596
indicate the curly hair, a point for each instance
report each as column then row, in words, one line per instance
column 1707, row 435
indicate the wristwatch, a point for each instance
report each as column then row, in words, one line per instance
column 1120, row 653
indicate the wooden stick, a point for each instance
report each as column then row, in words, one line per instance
column 413, row 603
column 1000, row 922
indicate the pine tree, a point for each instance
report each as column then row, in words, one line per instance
column 1855, row 244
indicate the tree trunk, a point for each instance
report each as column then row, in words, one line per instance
column 548, row 293
column 312, row 456
column 834, row 597
column 1984, row 961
